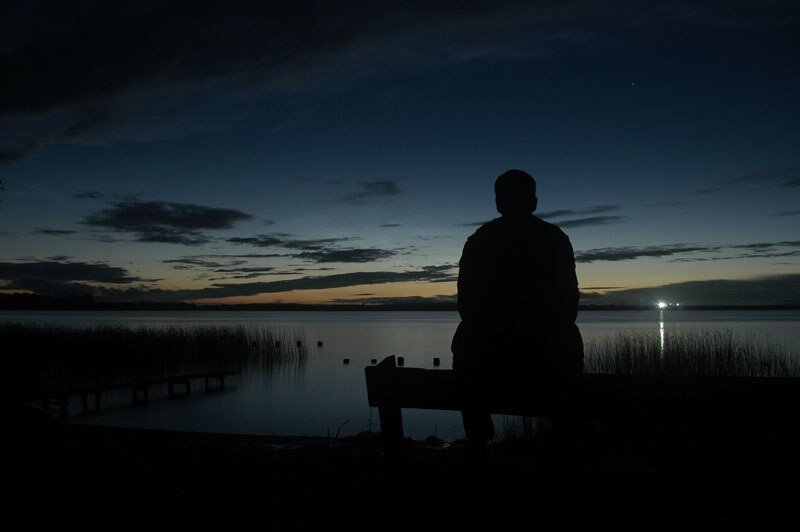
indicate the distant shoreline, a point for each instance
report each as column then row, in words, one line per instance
column 87, row 303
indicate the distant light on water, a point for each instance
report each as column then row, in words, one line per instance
column 662, row 304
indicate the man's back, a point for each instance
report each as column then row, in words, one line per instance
column 518, row 272
column 518, row 298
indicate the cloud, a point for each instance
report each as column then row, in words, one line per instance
column 788, row 177
column 667, row 204
column 58, row 277
column 246, row 272
column 316, row 250
column 578, row 222
column 786, row 213
column 286, row 241
column 768, row 290
column 89, row 195
column 54, row 232
column 347, row 255
column 88, row 73
column 595, row 209
column 245, row 269
column 157, row 221
column 474, row 224
column 437, row 273
column 390, row 225
column 242, row 255
column 756, row 250
column 594, row 220
column 190, row 262
column 373, row 189
column 407, row 300
column 614, row 254
column 262, row 241
column 709, row 190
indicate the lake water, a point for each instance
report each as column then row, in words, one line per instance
column 327, row 397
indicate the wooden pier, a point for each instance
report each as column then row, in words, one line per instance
column 177, row 386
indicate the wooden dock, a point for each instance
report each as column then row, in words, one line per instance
column 91, row 398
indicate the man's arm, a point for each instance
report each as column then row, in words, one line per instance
column 568, row 285
column 470, row 304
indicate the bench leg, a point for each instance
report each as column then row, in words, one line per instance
column 392, row 432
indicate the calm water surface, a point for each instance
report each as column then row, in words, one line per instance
column 328, row 397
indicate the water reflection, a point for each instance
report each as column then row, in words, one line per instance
column 317, row 393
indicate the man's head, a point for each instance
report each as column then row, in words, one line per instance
column 515, row 193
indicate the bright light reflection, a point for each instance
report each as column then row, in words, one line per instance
column 662, row 304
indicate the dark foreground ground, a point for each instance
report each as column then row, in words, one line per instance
column 68, row 476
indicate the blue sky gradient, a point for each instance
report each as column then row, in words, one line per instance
column 345, row 152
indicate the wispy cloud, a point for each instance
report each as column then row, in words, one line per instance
column 785, row 177
column 755, row 250
column 614, row 254
column 347, row 255
column 474, row 224
column 407, row 300
column 595, row 209
column 158, row 221
column 316, row 250
column 285, row 240
column 768, row 290
column 667, row 204
column 373, row 189
column 593, row 220
column 92, row 195
column 58, row 277
column 54, row 232
column 788, row 177
column 437, row 273
column 576, row 222
column 786, row 213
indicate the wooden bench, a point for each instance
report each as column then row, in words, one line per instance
column 772, row 401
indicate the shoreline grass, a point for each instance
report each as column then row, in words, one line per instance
column 713, row 353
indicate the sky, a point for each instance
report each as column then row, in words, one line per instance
column 334, row 152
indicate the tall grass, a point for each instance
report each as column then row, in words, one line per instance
column 44, row 359
column 692, row 353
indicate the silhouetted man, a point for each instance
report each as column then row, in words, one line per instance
column 518, row 300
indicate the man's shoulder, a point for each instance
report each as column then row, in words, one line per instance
column 534, row 224
column 551, row 229
column 488, row 227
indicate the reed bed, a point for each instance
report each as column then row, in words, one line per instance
column 45, row 360
column 723, row 353
column 690, row 353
